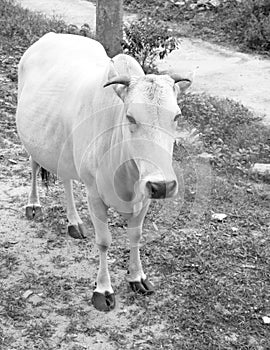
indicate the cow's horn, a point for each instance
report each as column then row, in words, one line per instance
column 177, row 77
column 120, row 79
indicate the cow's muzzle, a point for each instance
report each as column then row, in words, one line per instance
column 161, row 189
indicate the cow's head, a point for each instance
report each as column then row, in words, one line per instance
column 149, row 124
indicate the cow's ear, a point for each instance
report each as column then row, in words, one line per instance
column 183, row 84
column 181, row 87
column 120, row 84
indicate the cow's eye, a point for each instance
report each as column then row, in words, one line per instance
column 177, row 117
column 131, row 119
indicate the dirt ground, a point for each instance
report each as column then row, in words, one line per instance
column 218, row 71
column 49, row 275
column 52, row 276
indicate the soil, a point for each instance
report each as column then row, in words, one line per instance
column 49, row 275
column 61, row 306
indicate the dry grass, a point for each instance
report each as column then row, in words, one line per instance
column 212, row 277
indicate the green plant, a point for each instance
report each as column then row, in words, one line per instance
column 230, row 132
column 146, row 40
column 19, row 28
column 167, row 10
column 248, row 22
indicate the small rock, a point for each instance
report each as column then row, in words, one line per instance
column 235, row 230
column 180, row 3
column 218, row 216
column 252, row 341
column 205, row 156
column 266, row 319
column 260, row 168
column 35, row 300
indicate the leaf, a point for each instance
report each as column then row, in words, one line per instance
column 27, row 294
column 155, row 226
column 12, row 161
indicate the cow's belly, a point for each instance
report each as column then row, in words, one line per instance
column 44, row 133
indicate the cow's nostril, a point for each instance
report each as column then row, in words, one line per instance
column 153, row 188
column 160, row 189
column 150, row 189
column 170, row 186
column 156, row 189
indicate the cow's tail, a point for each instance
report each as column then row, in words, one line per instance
column 45, row 176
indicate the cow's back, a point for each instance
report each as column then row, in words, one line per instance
column 57, row 51
column 60, row 84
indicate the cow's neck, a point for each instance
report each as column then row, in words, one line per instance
column 125, row 168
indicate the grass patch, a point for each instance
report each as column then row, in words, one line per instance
column 230, row 132
column 19, row 28
column 217, row 279
column 9, row 262
column 212, row 277
column 245, row 24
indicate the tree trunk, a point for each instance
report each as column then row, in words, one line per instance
column 109, row 25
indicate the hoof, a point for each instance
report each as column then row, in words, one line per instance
column 103, row 302
column 144, row 287
column 77, row 231
column 33, row 211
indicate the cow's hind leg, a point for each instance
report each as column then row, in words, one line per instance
column 103, row 297
column 136, row 277
column 33, row 208
column 76, row 228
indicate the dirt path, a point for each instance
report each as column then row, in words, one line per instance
column 225, row 73
column 221, row 72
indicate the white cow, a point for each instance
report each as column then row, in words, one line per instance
column 104, row 122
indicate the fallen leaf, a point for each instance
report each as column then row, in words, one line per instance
column 248, row 266
column 13, row 242
column 27, row 294
column 155, row 226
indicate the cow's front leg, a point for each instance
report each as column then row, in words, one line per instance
column 103, row 297
column 136, row 277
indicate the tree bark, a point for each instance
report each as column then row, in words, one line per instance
column 109, row 25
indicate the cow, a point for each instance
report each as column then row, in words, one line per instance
column 102, row 121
